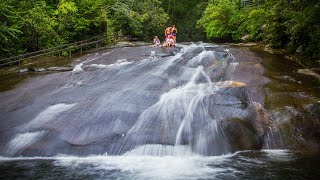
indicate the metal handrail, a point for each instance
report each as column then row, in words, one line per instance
column 44, row 50
column 53, row 50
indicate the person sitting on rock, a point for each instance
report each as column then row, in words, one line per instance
column 156, row 42
column 169, row 41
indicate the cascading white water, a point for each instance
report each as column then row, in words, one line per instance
column 153, row 117
column 145, row 100
column 133, row 165
column 21, row 141
column 135, row 114
column 180, row 110
column 47, row 115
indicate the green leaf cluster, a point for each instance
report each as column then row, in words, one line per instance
column 140, row 19
column 290, row 24
column 31, row 25
column 185, row 14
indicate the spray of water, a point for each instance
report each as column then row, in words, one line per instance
column 172, row 101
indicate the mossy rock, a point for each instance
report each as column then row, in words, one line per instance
column 242, row 134
column 302, row 130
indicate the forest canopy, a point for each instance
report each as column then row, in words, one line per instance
column 31, row 25
column 290, row 24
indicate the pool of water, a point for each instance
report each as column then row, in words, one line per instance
column 265, row 164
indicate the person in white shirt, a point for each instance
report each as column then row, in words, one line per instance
column 156, row 41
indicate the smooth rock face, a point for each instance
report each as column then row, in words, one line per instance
column 300, row 126
column 124, row 98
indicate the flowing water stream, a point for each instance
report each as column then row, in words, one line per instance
column 191, row 112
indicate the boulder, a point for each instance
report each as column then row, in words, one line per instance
column 300, row 127
column 236, row 115
column 242, row 134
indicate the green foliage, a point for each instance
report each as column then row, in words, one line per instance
column 216, row 19
column 185, row 14
column 9, row 30
column 37, row 26
column 28, row 26
column 142, row 19
column 279, row 23
column 126, row 20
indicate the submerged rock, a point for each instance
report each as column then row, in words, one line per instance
column 300, row 127
column 309, row 72
column 242, row 134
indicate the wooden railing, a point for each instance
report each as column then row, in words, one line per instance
column 69, row 48
column 251, row 2
column 247, row 3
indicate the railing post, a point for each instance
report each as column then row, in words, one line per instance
column 81, row 49
column 38, row 55
column 38, row 60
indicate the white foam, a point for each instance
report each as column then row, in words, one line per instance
column 77, row 68
column 186, row 48
column 99, row 66
column 48, row 114
column 152, row 167
column 21, row 141
column 118, row 63
column 160, row 150
column 202, row 44
column 121, row 62
column 152, row 55
column 155, row 167
column 204, row 55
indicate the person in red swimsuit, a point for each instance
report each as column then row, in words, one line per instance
column 174, row 32
column 167, row 32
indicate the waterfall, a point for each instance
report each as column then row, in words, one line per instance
column 142, row 100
